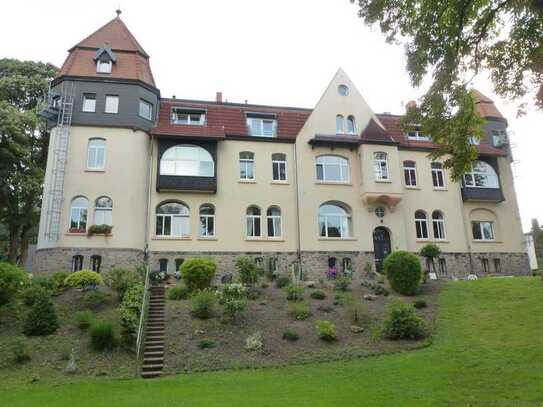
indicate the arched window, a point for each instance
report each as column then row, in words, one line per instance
column 103, row 209
column 78, row 214
column 421, row 224
column 340, row 124
column 351, row 125
column 279, row 167
column 172, row 219
column 207, row 220
column 253, row 221
column 246, row 165
column 187, row 160
column 482, row 175
column 438, row 176
column 96, row 262
column 273, row 215
column 380, row 165
column 334, row 221
column 77, row 262
column 96, row 154
column 332, row 168
column 438, row 224
column 410, row 173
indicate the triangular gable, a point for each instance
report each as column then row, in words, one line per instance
column 109, row 55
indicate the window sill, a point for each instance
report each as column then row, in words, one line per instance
column 94, row 170
column 348, row 239
column 432, row 240
column 264, row 239
column 280, row 183
column 440, row 189
column 171, row 238
column 212, row 239
column 333, row 183
column 247, row 181
column 75, row 234
column 422, row 240
column 383, row 181
column 486, row 241
column 411, row 187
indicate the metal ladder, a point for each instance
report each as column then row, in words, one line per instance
column 55, row 192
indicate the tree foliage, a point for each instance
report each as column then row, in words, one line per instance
column 453, row 41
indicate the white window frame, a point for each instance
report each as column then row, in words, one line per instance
column 79, row 210
column 204, row 220
column 173, row 218
column 103, row 66
column 345, row 220
column 474, row 141
column 340, row 124
column 436, row 174
column 278, row 164
column 325, row 161
column 254, row 220
column 112, row 108
column 422, row 225
column 95, row 150
column 380, row 166
column 491, row 177
column 143, row 102
column 246, row 163
column 351, row 125
column 89, row 103
column 103, row 211
column 258, row 123
column 276, row 223
column 416, row 135
column 438, row 223
column 190, row 114
column 410, row 173
column 480, row 224
column 178, row 166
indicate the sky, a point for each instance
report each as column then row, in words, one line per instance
column 280, row 52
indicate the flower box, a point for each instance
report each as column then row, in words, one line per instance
column 100, row 230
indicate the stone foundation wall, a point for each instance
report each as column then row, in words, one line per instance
column 48, row 261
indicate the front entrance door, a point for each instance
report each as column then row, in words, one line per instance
column 381, row 247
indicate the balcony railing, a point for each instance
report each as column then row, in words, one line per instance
column 482, row 194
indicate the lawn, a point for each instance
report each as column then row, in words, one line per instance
column 487, row 351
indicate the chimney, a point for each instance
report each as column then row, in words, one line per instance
column 219, row 97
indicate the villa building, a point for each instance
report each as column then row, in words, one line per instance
column 335, row 186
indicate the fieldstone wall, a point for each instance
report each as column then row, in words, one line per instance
column 315, row 264
column 49, row 261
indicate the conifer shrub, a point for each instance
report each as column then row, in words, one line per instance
column 418, row 304
column 326, row 330
column 198, row 273
column 402, row 322
column 83, row 279
column 13, row 280
column 403, row 271
column 32, row 293
column 206, row 344
column 41, row 319
column 102, row 336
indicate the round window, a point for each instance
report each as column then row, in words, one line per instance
column 343, row 90
column 380, row 211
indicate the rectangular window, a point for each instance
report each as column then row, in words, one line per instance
column 410, row 174
column 497, row 266
column 484, row 261
column 207, row 225
column 78, row 219
column 416, row 135
column 482, row 230
column 262, row 127
column 103, row 66
column 421, row 227
column 380, row 166
column 180, row 116
column 163, row 265
column 146, row 110
column 246, row 166
column 438, row 178
column 442, row 266
column 274, row 226
column 112, row 104
column 253, row 225
column 474, row 141
column 89, row 102
column 279, row 167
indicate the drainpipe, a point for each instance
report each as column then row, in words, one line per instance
column 466, row 234
column 299, row 252
column 148, row 205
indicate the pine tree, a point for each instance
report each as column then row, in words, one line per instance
column 41, row 319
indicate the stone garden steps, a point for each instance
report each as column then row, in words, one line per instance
column 153, row 350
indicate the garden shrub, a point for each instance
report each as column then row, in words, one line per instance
column 254, row 342
column 233, row 298
column 83, row 319
column 41, row 319
column 57, row 281
column 179, row 292
column 402, row 322
column 376, row 288
column 102, row 336
column 326, row 330
column 198, row 273
column 290, row 335
column 43, row 282
column 318, row 295
column 282, row 281
column 20, row 351
column 119, row 279
column 295, row 292
column 420, row 304
column 357, row 311
column 403, row 271
column 247, row 270
column 325, row 308
column 130, row 309
column 94, row 299
column 206, row 344
column 32, row 293
column 83, row 279
column 342, row 283
column 299, row 310
column 253, row 293
column 203, row 304
column 340, row 298
column 12, row 280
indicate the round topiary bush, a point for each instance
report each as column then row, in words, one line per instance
column 83, row 279
column 198, row 273
column 403, row 271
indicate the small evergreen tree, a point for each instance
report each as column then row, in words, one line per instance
column 42, row 319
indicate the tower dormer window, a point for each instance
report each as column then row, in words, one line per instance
column 103, row 66
column 193, row 117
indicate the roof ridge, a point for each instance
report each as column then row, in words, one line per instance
column 235, row 104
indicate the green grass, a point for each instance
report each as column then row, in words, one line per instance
column 487, row 351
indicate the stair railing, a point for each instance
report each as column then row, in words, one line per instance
column 143, row 317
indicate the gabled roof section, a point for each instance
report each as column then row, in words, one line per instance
column 376, row 133
column 485, row 106
column 107, row 51
column 115, row 35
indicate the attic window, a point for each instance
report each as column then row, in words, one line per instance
column 262, row 125
column 103, row 66
column 183, row 116
column 416, row 135
column 343, row 90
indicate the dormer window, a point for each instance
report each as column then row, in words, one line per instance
column 192, row 117
column 262, row 125
column 103, row 66
column 416, row 135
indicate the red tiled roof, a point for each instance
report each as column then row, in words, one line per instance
column 485, row 106
column 228, row 119
column 132, row 61
column 375, row 133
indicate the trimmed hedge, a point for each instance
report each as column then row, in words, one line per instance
column 83, row 279
column 403, row 272
column 198, row 273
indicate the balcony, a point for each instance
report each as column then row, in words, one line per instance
column 471, row 194
column 186, row 184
